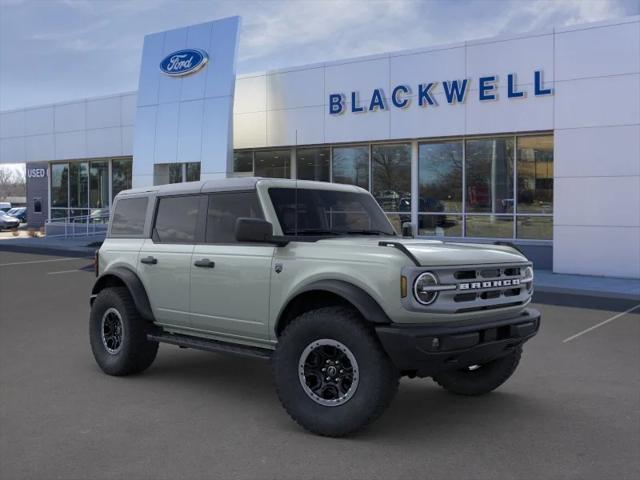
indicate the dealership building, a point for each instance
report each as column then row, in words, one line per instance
column 532, row 138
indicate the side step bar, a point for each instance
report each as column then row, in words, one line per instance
column 210, row 345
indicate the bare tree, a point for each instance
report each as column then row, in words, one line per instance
column 12, row 183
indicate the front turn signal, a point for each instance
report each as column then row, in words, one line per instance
column 403, row 286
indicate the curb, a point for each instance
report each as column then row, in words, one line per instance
column 585, row 299
column 587, row 293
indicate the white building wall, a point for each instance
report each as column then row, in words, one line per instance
column 594, row 112
column 597, row 150
column 90, row 128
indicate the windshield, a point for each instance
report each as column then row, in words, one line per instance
column 328, row 212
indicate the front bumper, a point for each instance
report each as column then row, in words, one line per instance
column 426, row 350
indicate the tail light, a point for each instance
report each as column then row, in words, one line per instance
column 96, row 262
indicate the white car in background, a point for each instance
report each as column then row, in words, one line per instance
column 7, row 221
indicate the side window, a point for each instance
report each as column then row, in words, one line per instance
column 224, row 209
column 129, row 216
column 177, row 219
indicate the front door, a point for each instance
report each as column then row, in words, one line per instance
column 230, row 281
column 164, row 263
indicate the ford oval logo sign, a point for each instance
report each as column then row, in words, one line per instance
column 184, row 62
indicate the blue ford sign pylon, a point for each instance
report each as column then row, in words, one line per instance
column 185, row 101
column 184, row 62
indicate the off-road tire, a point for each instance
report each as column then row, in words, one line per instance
column 482, row 380
column 378, row 377
column 136, row 352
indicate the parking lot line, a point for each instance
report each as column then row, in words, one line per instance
column 38, row 261
column 604, row 322
column 65, row 271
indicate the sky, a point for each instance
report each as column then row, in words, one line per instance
column 58, row 50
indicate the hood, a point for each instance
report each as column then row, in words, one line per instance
column 435, row 253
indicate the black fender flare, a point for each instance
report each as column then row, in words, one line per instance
column 369, row 308
column 133, row 284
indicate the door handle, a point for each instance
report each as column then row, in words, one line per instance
column 204, row 263
column 149, row 260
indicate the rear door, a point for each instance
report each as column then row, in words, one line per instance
column 164, row 263
column 230, row 280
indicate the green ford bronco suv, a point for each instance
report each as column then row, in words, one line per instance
column 313, row 277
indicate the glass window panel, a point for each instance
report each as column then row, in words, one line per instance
column 161, row 174
column 440, row 177
column 121, row 172
column 313, row 164
column 129, row 216
column 176, row 219
column 165, row 173
column 351, row 166
column 273, row 163
column 193, row 172
column 60, row 185
column 535, row 174
column 224, row 209
column 440, row 225
column 175, row 173
column 392, row 176
column 99, row 185
column 243, row 161
column 59, row 213
column 535, row 228
column 492, row 226
column 78, row 184
column 79, row 215
column 489, row 172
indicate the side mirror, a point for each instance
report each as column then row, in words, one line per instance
column 407, row 229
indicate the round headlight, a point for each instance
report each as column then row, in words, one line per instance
column 421, row 288
column 528, row 278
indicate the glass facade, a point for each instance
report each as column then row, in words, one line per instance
column 99, row 185
column 121, row 174
column 193, row 171
column 81, row 189
column 272, row 163
column 478, row 187
column 313, row 164
column 351, row 165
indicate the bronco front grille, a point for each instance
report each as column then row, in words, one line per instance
column 475, row 289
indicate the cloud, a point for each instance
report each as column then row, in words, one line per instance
column 100, row 42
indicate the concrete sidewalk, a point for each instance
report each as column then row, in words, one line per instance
column 623, row 288
column 65, row 247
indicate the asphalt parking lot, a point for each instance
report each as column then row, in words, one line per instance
column 572, row 410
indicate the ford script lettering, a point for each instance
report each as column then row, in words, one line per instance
column 490, row 284
column 184, row 62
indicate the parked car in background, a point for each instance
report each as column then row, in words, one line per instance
column 19, row 212
column 5, row 206
column 8, row 222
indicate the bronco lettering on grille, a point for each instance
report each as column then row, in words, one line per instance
column 491, row 284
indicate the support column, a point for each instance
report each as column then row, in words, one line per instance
column 415, row 188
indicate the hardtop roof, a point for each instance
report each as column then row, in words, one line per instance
column 235, row 184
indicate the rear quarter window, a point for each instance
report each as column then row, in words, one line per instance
column 129, row 217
